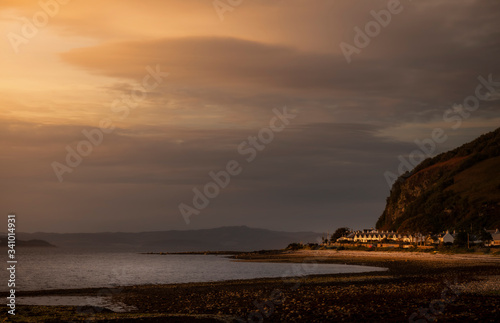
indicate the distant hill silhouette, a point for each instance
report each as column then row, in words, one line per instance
column 23, row 243
column 457, row 190
column 240, row 238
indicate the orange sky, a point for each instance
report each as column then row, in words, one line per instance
column 225, row 77
column 41, row 72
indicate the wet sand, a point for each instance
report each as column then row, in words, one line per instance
column 416, row 286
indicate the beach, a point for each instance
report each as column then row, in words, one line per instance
column 416, row 287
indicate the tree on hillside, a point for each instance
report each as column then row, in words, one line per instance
column 340, row 232
column 295, row 246
column 485, row 236
column 461, row 239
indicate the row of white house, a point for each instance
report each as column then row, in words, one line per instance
column 372, row 236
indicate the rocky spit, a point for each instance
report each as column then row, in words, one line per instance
column 417, row 287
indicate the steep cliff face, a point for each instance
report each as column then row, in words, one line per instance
column 454, row 190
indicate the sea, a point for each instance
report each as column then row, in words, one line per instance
column 60, row 268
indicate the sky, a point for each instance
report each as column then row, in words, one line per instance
column 118, row 115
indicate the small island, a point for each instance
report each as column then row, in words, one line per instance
column 35, row 243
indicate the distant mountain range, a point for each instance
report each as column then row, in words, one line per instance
column 240, row 238
column 455, row 190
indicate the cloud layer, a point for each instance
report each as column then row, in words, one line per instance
column 225, row 78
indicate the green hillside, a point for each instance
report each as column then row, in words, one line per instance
column 455, row 190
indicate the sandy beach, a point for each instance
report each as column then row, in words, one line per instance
column 395, row 255
column 417, row 287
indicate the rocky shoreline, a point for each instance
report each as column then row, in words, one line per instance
column 416, row 286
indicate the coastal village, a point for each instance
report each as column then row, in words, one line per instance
column 377, row 238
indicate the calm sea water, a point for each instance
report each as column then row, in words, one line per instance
column 59, row 268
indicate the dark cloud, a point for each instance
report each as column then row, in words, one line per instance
column 431, row 73
column 319, row 167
